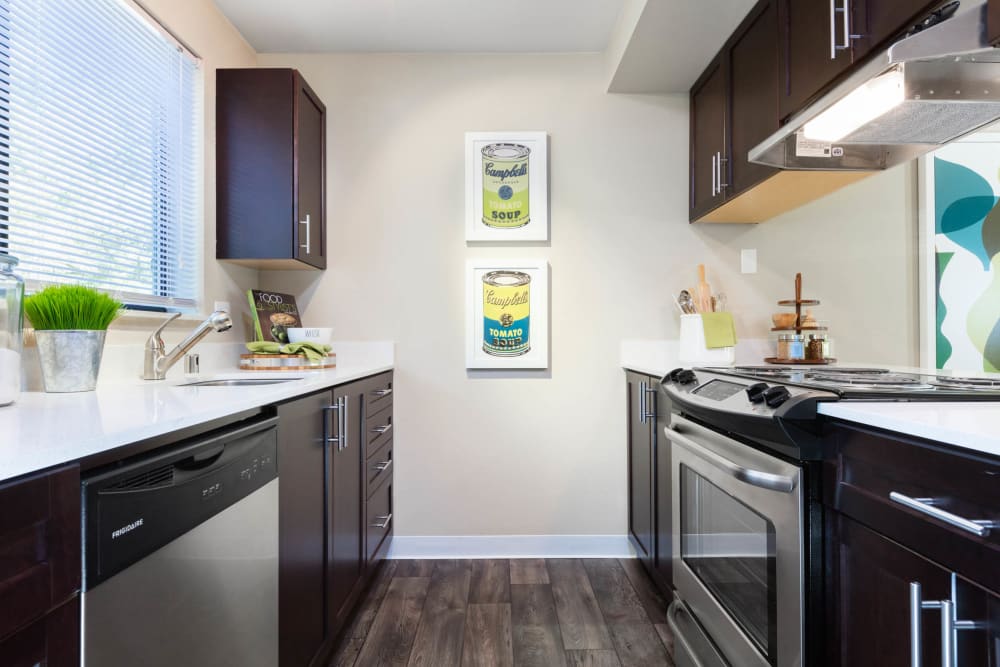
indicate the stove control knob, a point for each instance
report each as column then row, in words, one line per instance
column 686, row 377
column 755, row 392
column 775, row 396
column 672, row 375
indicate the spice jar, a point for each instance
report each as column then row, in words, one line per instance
column 11, row 324
column 791, row 347
column 816, row 348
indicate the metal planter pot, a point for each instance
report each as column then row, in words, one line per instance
column 70, row 359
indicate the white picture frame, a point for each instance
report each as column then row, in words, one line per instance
column 518, row 193
column 503, row 349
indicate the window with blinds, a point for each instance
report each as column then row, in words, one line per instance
column 99, row 151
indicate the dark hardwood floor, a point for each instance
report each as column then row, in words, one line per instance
column 499, row 613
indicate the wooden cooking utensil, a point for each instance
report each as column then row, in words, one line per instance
column 704, row 291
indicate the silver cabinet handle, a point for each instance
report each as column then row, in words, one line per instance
column 345, row 440
column 845, row 13
column 718, row 163
column 337, row 407
column 648, row 414
column 384, row 521
column 383, row 466
column 714, row 172
column 833, row 29
column 918, row 605
column 758, row 478
column 308, row 225
column 642, row 402
column 381, row 392
column 382, row 429
column 926, row 506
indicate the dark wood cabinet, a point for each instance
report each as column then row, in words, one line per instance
column 335, row 508
column 708, row 140
column 734, row 106
column 815, row 49
column 641, row 511
column 345, row 560
column 51, row 641
column 878, row 21
column 270, row 170
column 304, row 483
column 752, row 60
column 885, row 531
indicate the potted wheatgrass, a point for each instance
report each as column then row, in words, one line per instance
column 70, row 323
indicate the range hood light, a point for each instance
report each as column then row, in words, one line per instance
column 866, row 103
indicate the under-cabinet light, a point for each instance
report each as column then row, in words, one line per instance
column 863, row 105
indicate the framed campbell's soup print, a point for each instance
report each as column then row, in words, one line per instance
column 507, row 314
column 506, row 186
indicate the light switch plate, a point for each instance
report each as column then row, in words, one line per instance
column 748, row 260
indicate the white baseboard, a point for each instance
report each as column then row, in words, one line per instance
column 510, row 546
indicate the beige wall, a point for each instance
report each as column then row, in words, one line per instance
column 543, row 453
column 206, row 31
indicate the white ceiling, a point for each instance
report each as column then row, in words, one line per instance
column 425, row 26
column 670, row 42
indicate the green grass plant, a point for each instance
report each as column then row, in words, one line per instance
column 71, row 307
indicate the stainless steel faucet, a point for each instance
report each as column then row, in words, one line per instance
column 158, row 362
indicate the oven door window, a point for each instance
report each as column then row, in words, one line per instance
column 731, row 548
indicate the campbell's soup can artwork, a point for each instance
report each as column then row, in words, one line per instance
column 506, row 313
column 505, row 185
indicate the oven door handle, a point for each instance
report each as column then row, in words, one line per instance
column 758, row 478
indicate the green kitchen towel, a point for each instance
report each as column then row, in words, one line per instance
column 719, row 330
column 312, row 351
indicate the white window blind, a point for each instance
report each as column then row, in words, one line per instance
column 99, row 154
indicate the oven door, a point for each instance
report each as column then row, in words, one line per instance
column 737, row 547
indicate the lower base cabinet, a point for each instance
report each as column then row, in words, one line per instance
column 52, row 641
column 335, row 511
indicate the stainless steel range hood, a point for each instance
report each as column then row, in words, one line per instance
column 923, row 91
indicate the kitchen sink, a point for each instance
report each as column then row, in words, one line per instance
column 238, row 382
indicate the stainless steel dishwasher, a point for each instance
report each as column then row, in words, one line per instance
column 180, row 555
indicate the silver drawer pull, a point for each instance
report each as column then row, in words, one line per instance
column 384, row 519
column 381, row 392
column 335, row 439
column 977, row 527
column 381, row 467
column 382, row 429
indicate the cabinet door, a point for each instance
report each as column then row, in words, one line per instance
column 708, row 133
column 303, row 474
column 52, row 641
column 871, row 589
column 640, row 469
column 878, row 21
column 811, row 53
column 344, row 529
column 310, row 176
column 753, row 105
column 663, row 493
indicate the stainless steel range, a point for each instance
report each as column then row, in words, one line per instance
column 745, row 445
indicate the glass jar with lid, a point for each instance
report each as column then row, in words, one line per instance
column 791, row 347
column 11, row 328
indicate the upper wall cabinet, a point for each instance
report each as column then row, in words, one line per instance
column 821, row 39
column 270, row 170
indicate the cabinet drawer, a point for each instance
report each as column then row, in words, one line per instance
column 924, row 496
column 39, row 545
column 378, row 430
column 378, row 394
column 378, row 519
column 53, row 640
column 378, row 468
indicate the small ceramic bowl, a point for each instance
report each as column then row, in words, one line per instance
column 320, row 336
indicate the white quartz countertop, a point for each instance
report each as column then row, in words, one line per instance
column 972, row 426
column 42, row 430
